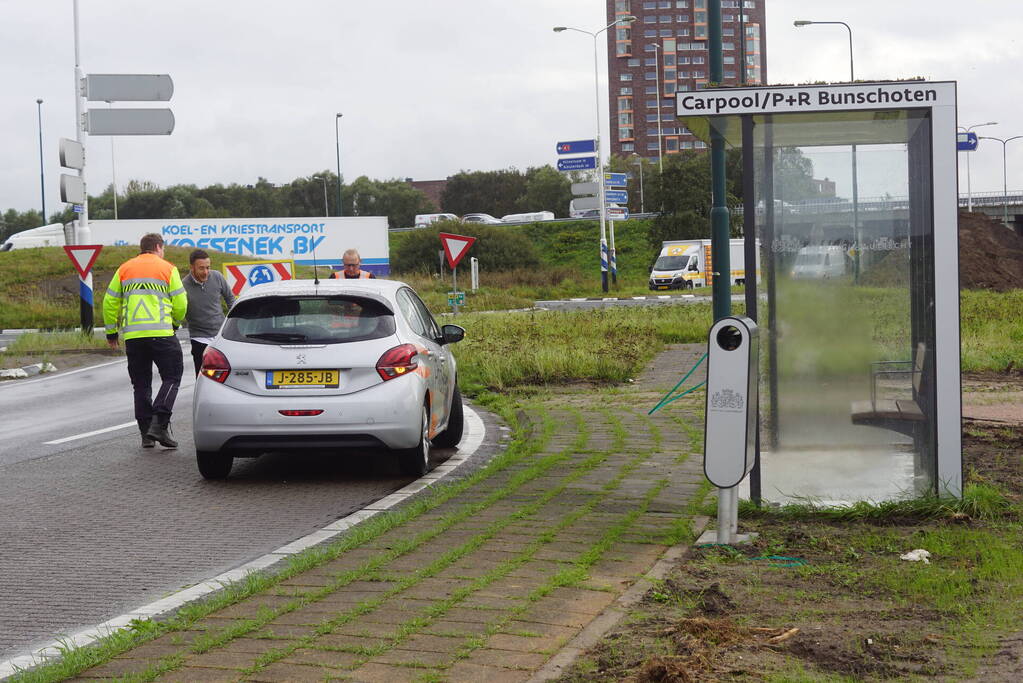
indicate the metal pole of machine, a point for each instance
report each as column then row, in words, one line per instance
column 722, row 290
column 721, row 266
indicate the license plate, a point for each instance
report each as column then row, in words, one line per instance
column 662, row 286
column 284, row 379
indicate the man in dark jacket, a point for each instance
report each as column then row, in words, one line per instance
column 205, row 288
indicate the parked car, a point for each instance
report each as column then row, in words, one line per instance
column 425, row 219
column 339, row 364
column 479, row 218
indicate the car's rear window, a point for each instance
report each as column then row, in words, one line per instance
column 308, row 320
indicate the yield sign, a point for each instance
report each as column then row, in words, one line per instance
column 83, row 256
column 455, row 247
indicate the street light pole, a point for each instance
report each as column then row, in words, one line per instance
column 326, row 212
column 628, row 19
column 657, row 84
column 1005, row 186
column 337, row 147
column 857, row 237
column 803, row 22
column 969, row 190
column 42, row 181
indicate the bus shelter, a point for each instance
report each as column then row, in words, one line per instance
column 851, row 190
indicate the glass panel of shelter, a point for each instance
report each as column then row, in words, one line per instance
column 844, row 222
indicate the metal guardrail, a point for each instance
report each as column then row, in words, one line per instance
column 648, row 214
column 1014, row 198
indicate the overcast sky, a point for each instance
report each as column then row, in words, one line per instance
column 428, row 88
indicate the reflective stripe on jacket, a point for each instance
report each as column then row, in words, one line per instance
column 339, row 275
column 145, row 299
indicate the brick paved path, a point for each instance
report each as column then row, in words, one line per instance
column 485, row 586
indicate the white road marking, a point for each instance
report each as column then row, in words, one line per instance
column 473, row 439
column 92, row 433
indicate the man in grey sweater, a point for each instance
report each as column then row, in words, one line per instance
column 205, row 289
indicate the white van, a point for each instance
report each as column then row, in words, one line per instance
column 533, row 217
column 684, row 264
column 425, row 219
column 819, row 262
column 51, row 235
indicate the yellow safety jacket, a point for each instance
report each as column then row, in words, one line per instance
column 145, row 299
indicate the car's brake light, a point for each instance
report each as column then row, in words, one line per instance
column 299, row 413
column 215, row 365
column 397, row 362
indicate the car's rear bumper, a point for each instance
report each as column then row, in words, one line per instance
column 387, row 414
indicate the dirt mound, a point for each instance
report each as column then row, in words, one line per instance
column 990, row 255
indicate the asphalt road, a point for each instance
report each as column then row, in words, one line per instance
column 92, row 525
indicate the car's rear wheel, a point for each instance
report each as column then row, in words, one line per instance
column 415, row 461
column 450, row 437
column 213, row 464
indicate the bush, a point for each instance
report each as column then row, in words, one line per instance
column 497, row 247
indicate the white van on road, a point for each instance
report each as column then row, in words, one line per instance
column 819, row 262
column 425, row 219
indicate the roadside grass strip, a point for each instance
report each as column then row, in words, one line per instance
column 412, row 626
column 565, row 577
column 75, row 659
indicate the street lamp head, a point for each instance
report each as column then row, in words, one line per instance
column 559, row 29
column 801, row 22
column 627, row 19
column 39, row 101
column 338, row 115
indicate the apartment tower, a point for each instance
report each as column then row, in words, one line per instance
column 664, row 52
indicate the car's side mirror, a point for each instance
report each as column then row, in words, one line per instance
column 451, row 334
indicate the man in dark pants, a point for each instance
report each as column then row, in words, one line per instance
column 146, row 303
column 205, row 289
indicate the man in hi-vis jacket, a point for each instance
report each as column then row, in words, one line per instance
column 146, row 304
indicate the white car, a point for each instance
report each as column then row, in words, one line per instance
column 480, row 218
column 327, row 365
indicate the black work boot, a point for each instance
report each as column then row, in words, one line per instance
column 161, row 433
column 147, row 441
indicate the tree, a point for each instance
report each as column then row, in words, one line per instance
column 546, row 190
column 494, row 192
column 13, row 221
column 396, row 199
column 683, row 195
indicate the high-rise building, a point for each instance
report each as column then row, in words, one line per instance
column 664, row 52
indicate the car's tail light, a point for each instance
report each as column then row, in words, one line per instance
column 299, row 413
column 215, row 365
column 397, row 362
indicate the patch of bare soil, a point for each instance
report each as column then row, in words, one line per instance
column 803, row 602
column 990, row 254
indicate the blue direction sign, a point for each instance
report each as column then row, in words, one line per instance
column 577, row 147
column 616, row 196
column 616, row 179
column 966, row 142
column 619, row 213
column 577, row 163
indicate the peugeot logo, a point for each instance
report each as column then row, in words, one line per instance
column 300, row 358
